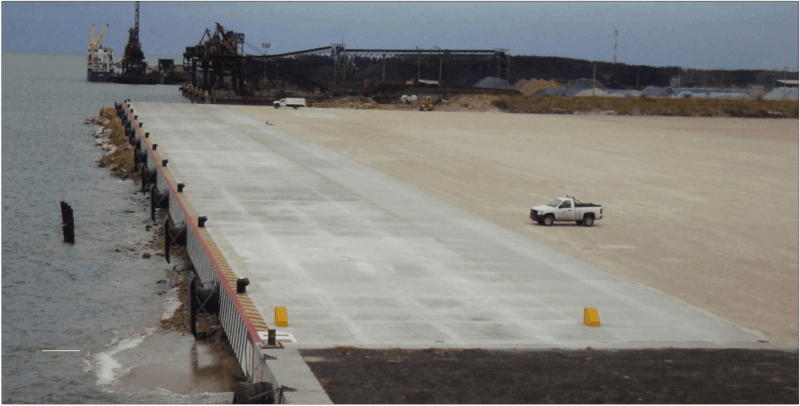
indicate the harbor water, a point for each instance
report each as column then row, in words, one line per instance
column 99, row 296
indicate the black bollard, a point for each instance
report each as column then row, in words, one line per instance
column 241, row 285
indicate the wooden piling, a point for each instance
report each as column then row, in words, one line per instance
column 68, row 223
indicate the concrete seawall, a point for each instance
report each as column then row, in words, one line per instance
column 245, row 328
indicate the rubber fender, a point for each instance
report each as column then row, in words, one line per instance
column 173, row 234
column 192, row 308
column 140, row 157
column 208, row 300
column 158, row 200
column 178, row 234
column 148, row 177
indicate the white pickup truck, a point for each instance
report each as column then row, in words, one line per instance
column 290, row 102
column 567, row 209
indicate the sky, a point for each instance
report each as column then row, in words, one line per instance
column 701, row 35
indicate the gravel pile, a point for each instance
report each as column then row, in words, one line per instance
column 778, row 93
column 492, row 83
column 584, row 83
column 535, row 85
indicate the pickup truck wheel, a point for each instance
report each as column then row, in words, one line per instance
column 579, row 222
column 548, row 220
column 540, row 221
column 295, row 107
column 276, row 107
column 588, row 220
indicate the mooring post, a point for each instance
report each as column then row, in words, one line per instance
column 241, row 285
column 68, row 223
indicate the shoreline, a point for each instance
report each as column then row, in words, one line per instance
column 172, row 332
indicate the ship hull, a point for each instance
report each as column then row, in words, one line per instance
column 135, row 80
column 94, row 76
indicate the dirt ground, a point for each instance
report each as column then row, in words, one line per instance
column 352, row 375
column 704, row 210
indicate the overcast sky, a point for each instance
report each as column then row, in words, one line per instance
column 708, row 35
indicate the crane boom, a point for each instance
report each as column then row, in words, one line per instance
column 97, row 41
column 137, row 16
column 91, row 36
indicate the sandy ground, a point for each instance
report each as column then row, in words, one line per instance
column 703, row 210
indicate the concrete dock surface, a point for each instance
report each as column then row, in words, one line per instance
column 695, row 208
column 359, row 258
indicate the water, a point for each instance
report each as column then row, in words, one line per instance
column 84, row 297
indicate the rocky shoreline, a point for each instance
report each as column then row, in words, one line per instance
column 110, row 137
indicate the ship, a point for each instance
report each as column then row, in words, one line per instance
column 99, row 59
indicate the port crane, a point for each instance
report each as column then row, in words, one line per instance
column 95, row 43
column 133, row 63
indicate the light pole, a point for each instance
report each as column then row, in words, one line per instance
column 265, row 47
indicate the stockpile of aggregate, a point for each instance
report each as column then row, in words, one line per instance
column 533, row 86
column 592, row 93
column 623, row 92
column 492, row 83
column 778, row 93
column 552, row 92
column 713, row 95
column 710, row 93
column 470, row 102
column 584, row 83
column 520, row 83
